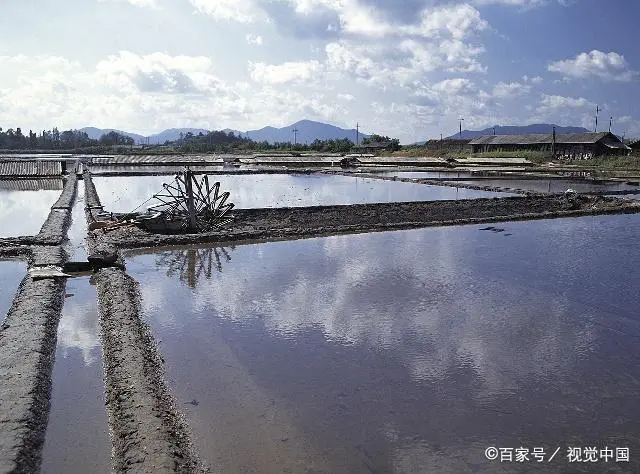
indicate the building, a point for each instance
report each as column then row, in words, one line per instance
column 569, row 145
column 635, row 147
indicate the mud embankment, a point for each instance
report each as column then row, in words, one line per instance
column 436, row 182
column 148, row 433
column 91, row 198
column 28, row 339
column 297, row 222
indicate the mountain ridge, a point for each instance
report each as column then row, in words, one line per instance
column 307, row 132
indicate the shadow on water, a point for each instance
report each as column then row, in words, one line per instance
column 77, row 439
column 123, row 194
column 407, row 351
column 11, row 273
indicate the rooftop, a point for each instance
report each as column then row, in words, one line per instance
column 541, row 138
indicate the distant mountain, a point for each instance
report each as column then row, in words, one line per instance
column 518, row 130
column 95, row 133
column 170, row 134
column 307, row 132
column 173, row 134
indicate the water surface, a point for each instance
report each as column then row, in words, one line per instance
column 124, row 194
column 77, row 438
column 77, row 233
column 22, row 212
column 407, row 351
column 551, row 185
column 11, row 274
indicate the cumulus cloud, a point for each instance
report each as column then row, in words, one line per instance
column 608, row 66
column 288, row 72
column 254, row 39
column 504, row 90
column 136, row 3
column 240, row 11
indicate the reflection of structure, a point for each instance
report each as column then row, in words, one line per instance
column 191, row 264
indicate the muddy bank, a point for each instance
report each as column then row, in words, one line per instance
column 91, row 198
column 155, row 171
column 435, row 182
column 67, row 197
column 280, row 223
column 10, row 251
column 148, row 433
column 27, row 347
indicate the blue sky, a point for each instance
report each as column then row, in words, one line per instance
column 407, row 69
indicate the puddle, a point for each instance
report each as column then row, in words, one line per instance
column 25, row 205
column 77, row 438
column 11, row 274
column 75, row 245
column 551, row 185
column 124, row 194
column 402, row 351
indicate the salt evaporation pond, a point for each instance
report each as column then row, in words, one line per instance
column 77, row 438
column 124, row 194
column 426, row 174
column 11, row 274
column 408, row 351
column 551, row 185
column 25, row 205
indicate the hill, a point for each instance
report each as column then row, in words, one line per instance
column 308, row 131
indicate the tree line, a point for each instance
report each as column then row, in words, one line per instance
column 211, row 142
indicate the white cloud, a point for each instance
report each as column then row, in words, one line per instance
column 240, row 11
column 536, row 80
column 551, row 102
column 254, row 39
column 288, row 72
column 503, row 90
column 456, row 21
column 136, row 3
column 608, row 66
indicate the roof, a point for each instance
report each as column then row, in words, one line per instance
column 541, row 138
column 30, row 184
column 30, row 168
column 635, row 145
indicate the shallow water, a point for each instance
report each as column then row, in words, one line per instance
column 77, row 233
column 11, row 274
column 23, row 212
column 123, row 194
column 409, row 351
column 551, row 185
column 77, row 438
column 427, row 174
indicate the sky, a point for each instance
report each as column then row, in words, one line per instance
column 404, row 68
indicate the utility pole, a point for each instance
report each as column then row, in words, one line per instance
column 610, row 122
column 357, row 133
column 553, row 143
column 598, row 109
column 295, row 136
column 494, row 131
column 461, row 120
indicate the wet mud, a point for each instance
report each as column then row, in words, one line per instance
column 148, row 433
column 281, row 223
column 27, row 347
